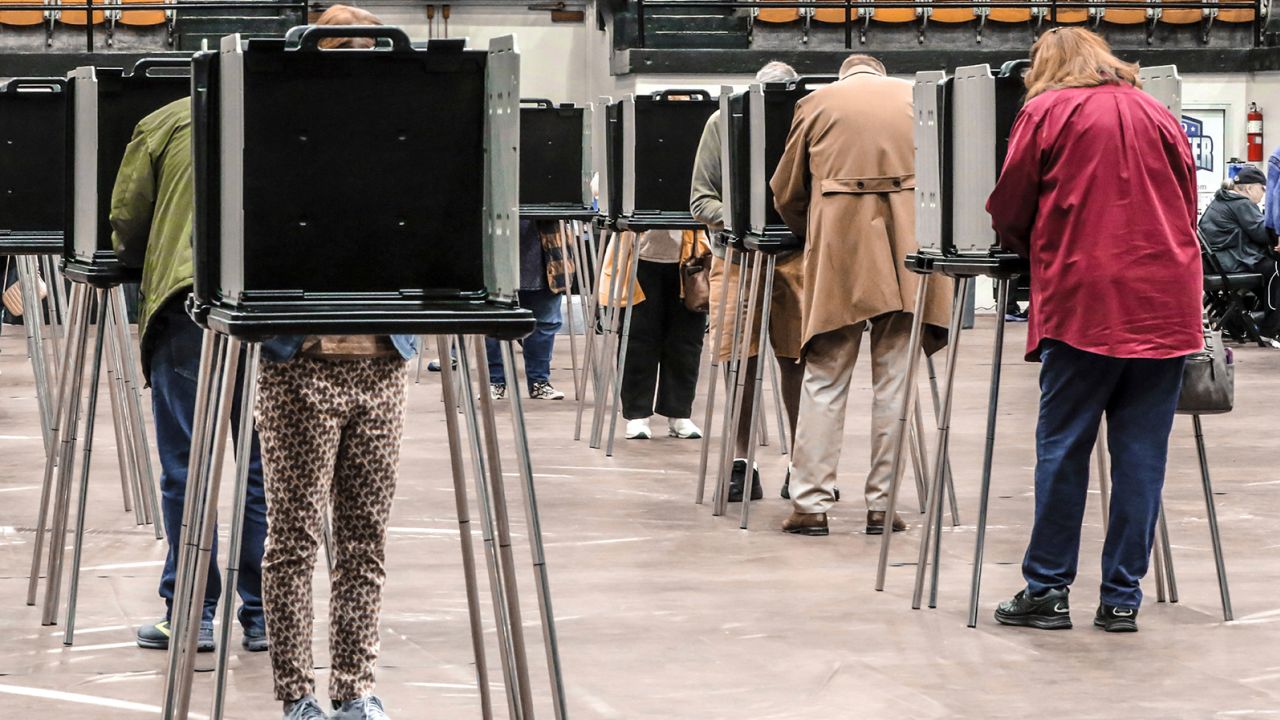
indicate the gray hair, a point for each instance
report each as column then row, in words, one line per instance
column 777, row 72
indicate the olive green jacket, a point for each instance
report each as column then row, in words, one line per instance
column 153, row 204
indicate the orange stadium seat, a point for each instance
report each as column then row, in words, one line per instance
column 1121, row 16
column 1177, row 16
column 834, row 16
column 1232, row 12
column 940, row 12
column 23, row 18
column 894, row 15
column 78, row 17
column 140, row 18
column 1009, row 15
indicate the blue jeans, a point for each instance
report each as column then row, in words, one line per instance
column 538, row 346
column 1138, row 397
column 175, row 363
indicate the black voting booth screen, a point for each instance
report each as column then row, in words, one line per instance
column 668, row 127
column 778, row 102
column 551, row 155
column 611, row 192
column 374, row 189
column 123, row 100
column 33, row 152
column 737, row 175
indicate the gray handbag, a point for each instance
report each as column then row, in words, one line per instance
column 1208, row 379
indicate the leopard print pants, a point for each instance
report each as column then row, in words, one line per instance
column 330, row 433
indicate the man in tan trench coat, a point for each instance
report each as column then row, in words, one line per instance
column 846, row 184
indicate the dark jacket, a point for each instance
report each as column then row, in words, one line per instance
column 1235, row 230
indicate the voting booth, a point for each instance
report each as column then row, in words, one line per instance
column 360, row 191
column 555, row 160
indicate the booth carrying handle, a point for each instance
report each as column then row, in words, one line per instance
column 540, row 103
column 17, row 85
column 810, row 82
column 145, row 65
column 307, row 37
column 682, row 94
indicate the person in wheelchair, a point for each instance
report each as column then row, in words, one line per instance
column 1235, row 230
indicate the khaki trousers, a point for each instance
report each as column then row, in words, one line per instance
column 829, row 362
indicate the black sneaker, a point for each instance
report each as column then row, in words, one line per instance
column 1116, row 619
column 737, row 480
column 1050, row 611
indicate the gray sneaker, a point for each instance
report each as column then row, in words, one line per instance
column 366, row 708
column 305, row 709
column 156, row 636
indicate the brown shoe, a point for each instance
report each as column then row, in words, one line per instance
column 806, row 524
column 875, row 522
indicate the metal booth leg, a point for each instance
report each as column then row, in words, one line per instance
column 988, row 454
column 904, row 417
column 214, row 386
column 82, row 504
column 933, row 528
column 66, row 464
column 775, row 381
column 727, row 429
column 506, row 625
column 1212, row 515
column 61, row 419
column 568, row 315
column 757, row 386
column 737, row 386
column 592, row 315
column 1166, row 548
column 946, row 461
column 417, row 375
column 616, row 395
column 497, row 487
column 33, row 321
column 919, row 455
column 534, row 523
column 712, row 370
column 124, row 454
column 239, row 496
column 137, row 422
column 456, row 464
column 604, row 363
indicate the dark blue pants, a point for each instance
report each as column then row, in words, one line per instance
column 538, row 346
column 175, row 362
column 1138, row 398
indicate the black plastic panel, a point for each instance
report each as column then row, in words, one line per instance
column 33, row 175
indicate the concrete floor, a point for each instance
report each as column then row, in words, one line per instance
column 666, row 612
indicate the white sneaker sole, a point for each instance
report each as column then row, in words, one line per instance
column 690, row 436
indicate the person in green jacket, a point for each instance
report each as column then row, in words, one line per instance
column 151, row 215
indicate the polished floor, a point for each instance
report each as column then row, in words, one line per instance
column 667, row 612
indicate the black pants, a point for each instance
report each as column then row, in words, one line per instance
column 666, row 343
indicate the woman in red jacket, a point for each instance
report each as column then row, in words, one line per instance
column 1098, row 190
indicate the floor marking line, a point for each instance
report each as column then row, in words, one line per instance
column 60, row 696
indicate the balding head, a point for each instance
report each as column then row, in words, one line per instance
column 854, row 62
column 348, row 15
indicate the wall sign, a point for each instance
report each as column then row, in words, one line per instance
column 1206, row 129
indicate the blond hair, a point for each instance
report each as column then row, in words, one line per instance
column 1071, row 57
column 347, row 15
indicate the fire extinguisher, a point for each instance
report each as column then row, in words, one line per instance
column 1254, row 131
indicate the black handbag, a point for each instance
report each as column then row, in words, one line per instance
column 1208, row 379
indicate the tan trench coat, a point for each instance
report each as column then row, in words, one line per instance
column 846, row 184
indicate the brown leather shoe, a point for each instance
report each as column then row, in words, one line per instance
column 875, row 522
column 806, row 524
